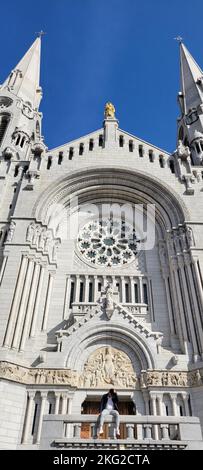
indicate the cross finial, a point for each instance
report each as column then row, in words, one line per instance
column 178, row 38
column 40, row 33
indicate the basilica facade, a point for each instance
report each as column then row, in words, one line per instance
column 101, row 276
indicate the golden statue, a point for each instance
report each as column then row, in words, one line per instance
column 109, row 110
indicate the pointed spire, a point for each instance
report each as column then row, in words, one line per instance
column 191, row 80
column 24, row 79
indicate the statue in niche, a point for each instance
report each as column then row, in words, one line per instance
column 36, row 234
column 11, row 231
column 108, row 366
column 190, row 237
column 30, row 232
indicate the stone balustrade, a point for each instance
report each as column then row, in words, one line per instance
column 64, row 431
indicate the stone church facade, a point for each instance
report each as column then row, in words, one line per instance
column 98, row 289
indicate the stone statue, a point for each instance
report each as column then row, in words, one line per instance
column 190, row 237
column 109, row 296
column 183, row 152
column 108, row 366
column 11, row 231
column 109, row 110
column 30, row 232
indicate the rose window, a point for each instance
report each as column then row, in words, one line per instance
column 108, row 242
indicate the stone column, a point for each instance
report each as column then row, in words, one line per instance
column 198, row 281
column 174, row 404
column 154, row 413
column 146, row 400
column 173, row 264
column 22, row 308
column 86, row 289
column 64, row 404
column 160, row 404
column 140, row 290
column 48, row 300
column 3, row 268
column 43, row 401
column 132, row 290
column 57, row 402
column 189, row 313
column 37, row 302
column 70, row 403
column 122, row 289
column 182, row 316
column 168, row 297
column 28, row 417
column 30, row 306
column 196, row 313
column 16, row 299
column 77, row 288
column 95, row 288
column 66, row 300
column 185, row 397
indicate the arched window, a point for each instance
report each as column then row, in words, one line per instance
column 131, row 146
column 121, row 141
column 60, row 158
column 49, row 163
column 22, row 142
column 101, row 140
column 18, row 139
column 81, row 149
column 37, row 128
column 4, row 120
column 161, row 161
column 16, row 171
column 151, row 156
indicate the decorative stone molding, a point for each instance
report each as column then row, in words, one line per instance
column 170, row 378
column 104, row 368
column 108, row 367
column 30, row 376
column 43, row 240
column 179, row 240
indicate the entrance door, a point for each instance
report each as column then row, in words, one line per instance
column 92, row 407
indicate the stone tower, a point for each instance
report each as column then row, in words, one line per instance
column 98, row 289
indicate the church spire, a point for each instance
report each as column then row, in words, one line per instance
column 191, row 80
column 190, row 123
column 24, row 79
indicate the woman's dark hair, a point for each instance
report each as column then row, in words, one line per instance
column 112, row 391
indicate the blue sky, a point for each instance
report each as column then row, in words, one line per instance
column 100, row 50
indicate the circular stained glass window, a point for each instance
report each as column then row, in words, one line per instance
column 108, row 242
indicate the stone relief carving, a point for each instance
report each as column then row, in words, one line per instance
column 43, row 239
column 108, row 366
column 105, row 367
column 179, row 239
column 38, row 376
column 170, row 378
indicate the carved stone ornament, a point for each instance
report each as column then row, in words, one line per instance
column 105, row 367
column 108, row 367
column 42, row 239
column 170, row 379
column 38, row 376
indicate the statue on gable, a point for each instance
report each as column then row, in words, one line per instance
column 109, row 110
